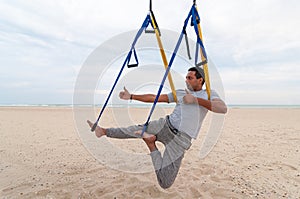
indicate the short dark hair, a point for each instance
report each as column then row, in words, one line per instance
column 198, row 74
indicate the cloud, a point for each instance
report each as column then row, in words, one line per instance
column 43, row 44
column 249, row 29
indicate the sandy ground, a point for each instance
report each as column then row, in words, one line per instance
column 43, row 156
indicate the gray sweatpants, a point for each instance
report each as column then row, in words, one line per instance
column 166, row 166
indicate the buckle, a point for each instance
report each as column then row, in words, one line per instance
column 174, row 130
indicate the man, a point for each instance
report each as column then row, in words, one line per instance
column 176, row 130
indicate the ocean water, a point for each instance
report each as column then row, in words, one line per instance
column 142, row 105
column 263, row 106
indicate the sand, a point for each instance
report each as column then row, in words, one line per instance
column 42, row 156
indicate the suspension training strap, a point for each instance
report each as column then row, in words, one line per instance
column 164, row 77
column 145, row 24
column 163, row 56
column 202, row 50
column 193, row 13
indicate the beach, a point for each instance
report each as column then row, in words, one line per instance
column 43, row 156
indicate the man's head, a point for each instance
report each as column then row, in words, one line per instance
column 199, row 72
column 195, row 78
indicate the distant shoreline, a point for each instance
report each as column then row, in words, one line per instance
column 141, row 106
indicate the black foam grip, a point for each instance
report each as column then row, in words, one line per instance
column 149, row 31
column 132, row 65
column 94, row 127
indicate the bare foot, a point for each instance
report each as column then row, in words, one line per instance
column 149, row 139
column 98, row 131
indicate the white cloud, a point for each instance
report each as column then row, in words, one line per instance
column 254, row 43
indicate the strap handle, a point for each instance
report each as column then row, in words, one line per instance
column 135, row 57
column 154, row 26
column 201, row 63
column 150, row 31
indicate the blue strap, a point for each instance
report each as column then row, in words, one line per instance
column 144, row 27
column 193, row 13
column 165, row 76
column 140, row 31
column 195, row 16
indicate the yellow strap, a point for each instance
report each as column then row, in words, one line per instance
column 205, row 66
column 164, row 58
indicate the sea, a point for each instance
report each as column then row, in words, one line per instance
column 134, row 105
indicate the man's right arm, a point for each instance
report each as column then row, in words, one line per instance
column 125, row 95
column 150, row 98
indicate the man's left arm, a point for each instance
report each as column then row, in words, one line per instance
column 215, row 105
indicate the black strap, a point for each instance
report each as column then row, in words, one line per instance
column 187, row 44
column 155, row 23
column 201, row 63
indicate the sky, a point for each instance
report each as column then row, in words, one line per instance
column 254, row 45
